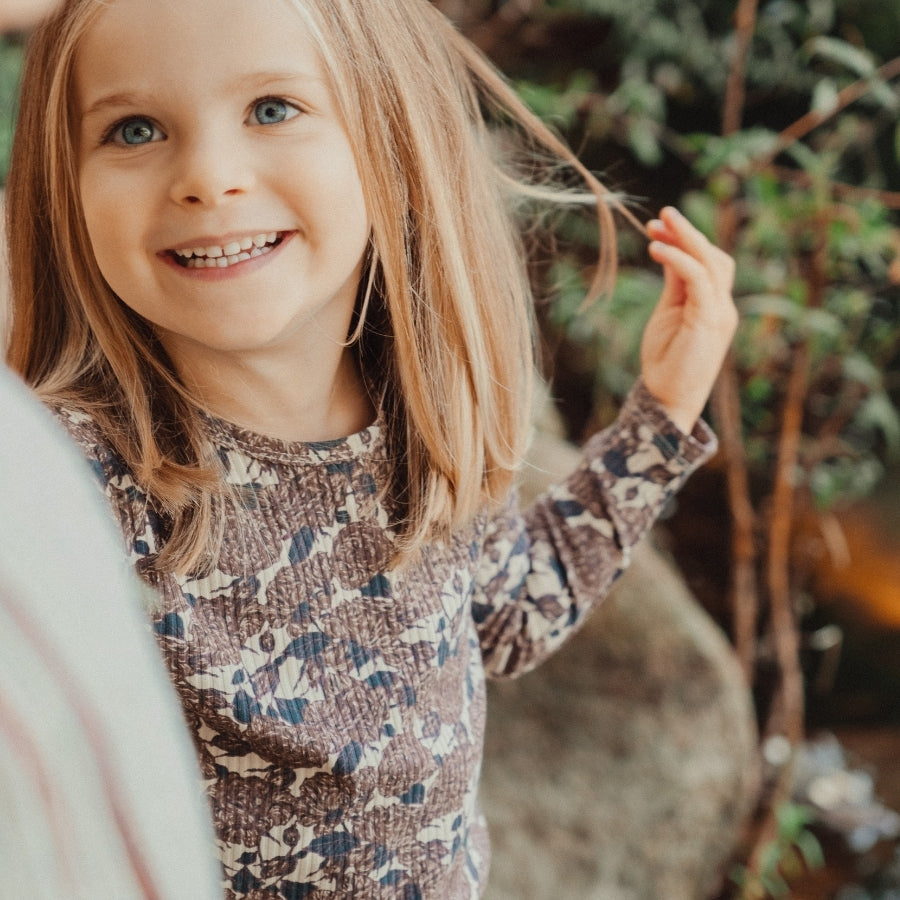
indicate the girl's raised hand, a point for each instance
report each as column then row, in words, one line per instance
column 690, row 330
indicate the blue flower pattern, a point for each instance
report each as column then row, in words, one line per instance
column 338, row 705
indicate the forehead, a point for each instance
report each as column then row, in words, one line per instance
column 162, row 45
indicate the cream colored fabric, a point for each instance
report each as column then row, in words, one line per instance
column 99, row 790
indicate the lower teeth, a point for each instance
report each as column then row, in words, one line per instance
column 223, row 262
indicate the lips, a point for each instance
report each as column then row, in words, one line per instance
column 221, row 256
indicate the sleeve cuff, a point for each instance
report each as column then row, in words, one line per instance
column 691, row 450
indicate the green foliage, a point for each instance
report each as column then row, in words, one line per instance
column 851, row 329
column 10, row 61
column 793, row 849
column 803, row 187
column 610, row 330
column 816, row 244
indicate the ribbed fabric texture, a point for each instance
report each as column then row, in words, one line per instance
column 337, row 706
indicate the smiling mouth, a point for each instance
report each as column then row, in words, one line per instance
column 230, row 254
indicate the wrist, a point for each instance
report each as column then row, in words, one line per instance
column 684, row 420
column 683, row 415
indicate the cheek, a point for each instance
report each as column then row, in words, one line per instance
column 107, row 246
column 340, row 192
column 98, row 217
column 110, row 219
column 352, row 218
column 350, row 235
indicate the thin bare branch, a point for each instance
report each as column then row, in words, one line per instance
column 784, row 626
column 733, row 105
column 726, row 397
column 814, row 118
column 888, row 199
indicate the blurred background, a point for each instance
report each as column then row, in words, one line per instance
column 774, row 126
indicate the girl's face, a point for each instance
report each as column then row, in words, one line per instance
column 219, row 188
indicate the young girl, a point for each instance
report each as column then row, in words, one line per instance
column 267, row 269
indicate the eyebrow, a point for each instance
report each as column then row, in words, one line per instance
column 252, row 80
column 275, row 77
column 110, row 101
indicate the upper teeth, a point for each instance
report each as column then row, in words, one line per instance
column 223, row 255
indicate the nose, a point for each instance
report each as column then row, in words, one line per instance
column 208, row 170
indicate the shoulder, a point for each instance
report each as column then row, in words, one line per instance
column 45, row 492
column 135, row 514
column 80, row 425
column 110, row 471
column 90, row 438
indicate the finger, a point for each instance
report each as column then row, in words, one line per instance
column 659, row 231
column 682, row 263
column 690, row 239
column 673, row 291
column 674, row 228
column 697, row 287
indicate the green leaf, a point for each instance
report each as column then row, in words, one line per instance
column 843, row 53
column 809, row 159
column 775, row 305
column 811, row 850
column 821, row 14
column 860, row 368
column 738, row 875
column 877, row 411
column 792, row 818
column 10, row 62
column 737, row 151
column 839, row 480
column 821, row 323
column 884, row 94
column 558, row 105
column 770, row 857
column 774, row 884
column 644, row 142
column 758, row 389
column 700, row 208
column 825, row 97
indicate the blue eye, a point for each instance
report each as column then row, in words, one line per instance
column 271, row 111
column 134, row 132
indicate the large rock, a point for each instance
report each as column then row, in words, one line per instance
column 625, row 766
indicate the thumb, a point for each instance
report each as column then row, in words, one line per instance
column 673, row 291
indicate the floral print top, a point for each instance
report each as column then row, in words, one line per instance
column 338, row 705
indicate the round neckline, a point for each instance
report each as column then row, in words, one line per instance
column 230, row 436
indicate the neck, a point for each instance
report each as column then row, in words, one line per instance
column 290, row 399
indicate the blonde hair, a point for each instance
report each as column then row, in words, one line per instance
column 447, row 325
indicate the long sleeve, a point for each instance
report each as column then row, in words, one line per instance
column 544, row 568
column 338, row 704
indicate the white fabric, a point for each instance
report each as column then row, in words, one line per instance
column 100, row 796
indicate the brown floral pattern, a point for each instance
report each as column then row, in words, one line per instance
column 338, row 707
